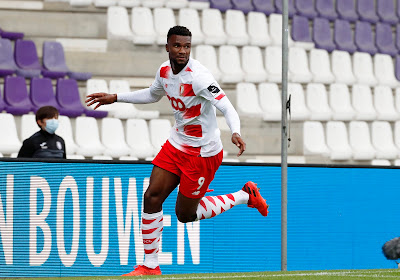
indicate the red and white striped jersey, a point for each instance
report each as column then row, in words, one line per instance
column 192, row 94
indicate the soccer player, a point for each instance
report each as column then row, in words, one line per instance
column 193, row 152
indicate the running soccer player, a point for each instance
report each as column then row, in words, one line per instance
column 193, row 152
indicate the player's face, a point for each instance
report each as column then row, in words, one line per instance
column 178, row 48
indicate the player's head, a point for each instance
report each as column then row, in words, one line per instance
column 47, row 118
column 179, row 40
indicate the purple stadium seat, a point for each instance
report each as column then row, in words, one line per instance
column 366, row 10
column 398, row 37
column 16, row 97
column 306, row 8
column 222, row 5
column 326, row 9
column 11, row 35
column 343, row 36
column 397, row 67
column 55, row 65
column 67, row 95
column 2, row 105
column 384, row 39
column 244, row 5
column 27, row 59
column 386, row 11
column 398, row 9
column 42, row 94
column 322, row 35
column 279, row 7
column 364, row 38
column 7, row 63
column 346, row 9
column 301, row 29
column 264, row 6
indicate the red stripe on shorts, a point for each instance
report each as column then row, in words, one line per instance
column 193, row 130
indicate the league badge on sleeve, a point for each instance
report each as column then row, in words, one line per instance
column 213, row 89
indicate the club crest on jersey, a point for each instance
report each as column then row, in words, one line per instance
column 213, row 89
column 181, row 89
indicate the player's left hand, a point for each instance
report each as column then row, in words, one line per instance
column 238, row 141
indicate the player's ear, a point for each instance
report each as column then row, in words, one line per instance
column 166, row 47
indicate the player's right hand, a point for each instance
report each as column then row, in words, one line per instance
column 100, row 98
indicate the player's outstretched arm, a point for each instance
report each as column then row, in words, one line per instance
column 238, row 141
column 100, row 98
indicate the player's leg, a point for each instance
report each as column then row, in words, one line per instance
column 191, row 204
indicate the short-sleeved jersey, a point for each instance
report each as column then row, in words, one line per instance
column 192, row 94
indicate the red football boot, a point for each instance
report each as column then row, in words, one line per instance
column 255, row 198
column 144, row 270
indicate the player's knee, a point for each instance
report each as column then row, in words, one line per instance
column 185, row 217
column 152, row 198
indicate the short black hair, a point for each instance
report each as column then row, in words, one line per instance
column 46, row 112
column 178, row 30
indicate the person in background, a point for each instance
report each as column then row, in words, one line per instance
column 44, row 143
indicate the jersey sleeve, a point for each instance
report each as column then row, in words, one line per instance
column 207, row 87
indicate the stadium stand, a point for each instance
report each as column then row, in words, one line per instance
column 343, row 36
column 291, row 8
column 66, row 132
column 306, row 8
column 9, row 141
column 314, row 140
column 42, row 94
column 118, row 27
column 229, row 57
column 28, row 126
column 138, row 138
column 384, row 70
column 275, row 30
column 153, row 3
column 199, row 4
column 207, row 55
column 222, row 5
column 339, row 101
column 342, row 67
column 382, row 140
column 113, row 138
column 384, row 39
column 384, row 104
column 320, row 66
column 299, row 110
column 87, row 137
column 317, row 102
column 366, row 10
column 264, row 6
column 337, row 141
column 247, row 100
column 364, row 37
column 360, row 141
column 190, row 18
column 257, row 28
column 27, row 59
column 322, row 34
column 163, row 19
column 363, row 69
column 213, row 27
column 244, row 5
column 270, row 101
column 7, row 63
column 346, row 9
column 142, row 26
column 176, row 4
column 362, row 102
column 159, row 132
column 273, row 57
column 298, row 66
column 235, row 28
column 16, row 98
column 252, row 64
column 326, row 9
column 386, row 11
column 301, row 34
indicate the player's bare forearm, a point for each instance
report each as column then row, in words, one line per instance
column 100, row 98
column 238, row 141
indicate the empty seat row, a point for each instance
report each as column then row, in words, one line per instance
column 24, row 60
column 147, row 27
column 174, row 4
column 358, row 141
column 136, row 139
column 67, row 100
column 251, row 64
column 316, row 103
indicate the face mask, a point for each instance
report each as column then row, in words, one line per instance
column 51, row 126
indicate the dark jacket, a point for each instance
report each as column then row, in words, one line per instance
column 43, row 145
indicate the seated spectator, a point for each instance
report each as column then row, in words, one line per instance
column 44, row 143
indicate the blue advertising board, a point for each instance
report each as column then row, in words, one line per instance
column 76, row 218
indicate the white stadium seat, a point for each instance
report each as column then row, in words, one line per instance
column 273, row 64
column 199, row 5
column 384, row 104
column 339, row 101
column 320, row 66
column 79, row 3
column 129, row 3
column 257, row 28
column 235, row 27
column 118, row 27
column 142, row 26
column 75, row 157
column 363, row 105
column 29, row 126
column 176, row 4
column 252, row 63
column 247, row 101
column 104, row 3
column 397, row 134
column 213, row 27
column 317, row 102
column 337, row 141
column 382, row 140
column 298, row 66
column 382, row 162
column 164, row 19
column 384, row 70
column 87, row 137
column 314, row 139
column 113, row 138
column 65, row 131
column 342, row 68
column 190, row 19
column 360, row 141
column 270, row 101
column 230, row 160
column 138, row 138
column 153, row 3
column 9, row 141
column 363, row 69
column 275, row 30
column 159, row 132
column 397, row 99
column 299, row 110
column 207, row 56
column 128, row 158
column 102, row 157
column 229, row 64
column 123, row 110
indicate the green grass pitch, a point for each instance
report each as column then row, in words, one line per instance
column 373, row 274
